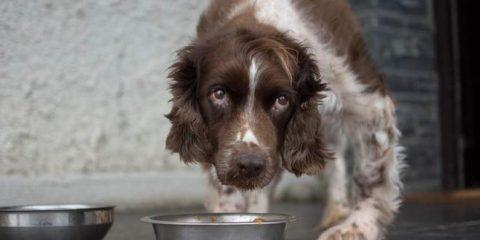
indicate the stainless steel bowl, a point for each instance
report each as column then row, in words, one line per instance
column 59, row 222
column 221, row 226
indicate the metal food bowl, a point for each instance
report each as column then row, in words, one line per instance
column 221, row 226
column 59, row 222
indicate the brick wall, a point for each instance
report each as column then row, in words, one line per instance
column 400, row 35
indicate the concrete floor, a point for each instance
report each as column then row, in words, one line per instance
column 460, row 221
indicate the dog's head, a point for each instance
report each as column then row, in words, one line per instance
column 245, row 101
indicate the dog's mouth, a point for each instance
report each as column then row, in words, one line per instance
column 234, row 178
column 245, row 167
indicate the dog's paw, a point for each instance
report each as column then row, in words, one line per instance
column 353, row 229
column 334, row 214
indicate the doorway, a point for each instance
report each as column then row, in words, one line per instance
column 457, row 44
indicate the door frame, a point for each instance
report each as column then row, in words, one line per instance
column 449, row 70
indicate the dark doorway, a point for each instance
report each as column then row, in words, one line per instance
column 459, row 92
column 468, row 45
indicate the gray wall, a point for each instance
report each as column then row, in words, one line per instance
column 83, row 93
column 82, row 99
column 83, row 85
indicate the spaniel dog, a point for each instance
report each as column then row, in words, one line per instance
column 269, row 85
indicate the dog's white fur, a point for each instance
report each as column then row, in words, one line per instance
column 249, row 135
column 366, row 122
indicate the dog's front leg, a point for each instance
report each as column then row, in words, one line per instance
column 376, row 183
column 337, row 205
column 258, row 200
column 222, row 198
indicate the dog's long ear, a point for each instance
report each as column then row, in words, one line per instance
column 188, row 132
column 303, row 150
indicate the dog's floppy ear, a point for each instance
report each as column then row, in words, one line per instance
column 188, row 132
column 303, row 148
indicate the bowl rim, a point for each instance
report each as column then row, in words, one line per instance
column 282, row 218
column 68, row 207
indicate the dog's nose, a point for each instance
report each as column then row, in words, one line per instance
column 250, row 165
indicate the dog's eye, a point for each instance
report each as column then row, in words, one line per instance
column 218, row 95
column 281, row 103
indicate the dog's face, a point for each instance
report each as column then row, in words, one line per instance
column 244, row 102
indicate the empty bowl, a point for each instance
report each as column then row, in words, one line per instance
column 59, row 222
column 221, row 226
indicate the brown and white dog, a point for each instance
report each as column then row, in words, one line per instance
column 287, row 84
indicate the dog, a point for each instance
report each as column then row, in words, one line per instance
column 273, row 85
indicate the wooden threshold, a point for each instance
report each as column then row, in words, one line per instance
column 471, row 195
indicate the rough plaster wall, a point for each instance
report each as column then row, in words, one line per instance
column 82, row 84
